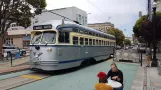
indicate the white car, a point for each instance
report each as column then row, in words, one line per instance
column 134, row 48
column 13, row 50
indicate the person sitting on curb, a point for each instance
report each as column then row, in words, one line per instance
column 102, row 85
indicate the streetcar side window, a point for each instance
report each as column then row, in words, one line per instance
column 75, row 30
column 97, row 42
column 104, row 43
column 90, row 41
column 81, row 41
column 63, row 37
column 100, row 42
column 108, row 43
column 86, row 41
column 93, row 41
column 75, row 40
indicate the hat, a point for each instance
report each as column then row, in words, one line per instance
column 101, row 75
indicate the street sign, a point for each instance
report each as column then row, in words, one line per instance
column 41, row 27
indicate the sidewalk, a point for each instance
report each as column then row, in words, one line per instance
column 147, row 78
column 18, row 65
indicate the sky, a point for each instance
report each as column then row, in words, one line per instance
column 123, row 13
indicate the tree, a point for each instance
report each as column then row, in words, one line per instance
column 17, row 11
column 118, row 34
column 127, row 42
column 144, row 28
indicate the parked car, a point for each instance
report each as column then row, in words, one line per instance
column 126, row 48
column 134, row 48
column 11, row 49
column 118, row 47
column 141, row 48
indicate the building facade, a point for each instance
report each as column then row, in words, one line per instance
column 102, row 26
column 72, row 13
column 18, row 38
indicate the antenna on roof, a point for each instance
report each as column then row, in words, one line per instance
column 63, row 22
column 76, row 22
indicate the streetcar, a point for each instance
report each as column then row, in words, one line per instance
column 58, row 44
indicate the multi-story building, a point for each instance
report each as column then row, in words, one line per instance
column 102, row 26
column 72, row 13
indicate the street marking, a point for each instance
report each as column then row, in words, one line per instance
column 32, row 77
column 110, row 60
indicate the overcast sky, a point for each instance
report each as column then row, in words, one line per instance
column 123, row 13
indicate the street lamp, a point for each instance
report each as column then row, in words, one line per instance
column 154, row 61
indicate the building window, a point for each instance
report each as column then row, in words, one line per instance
column 86, row 41
column 9, row 41
column 75, row 40
column 79, row 17
column 81, row 41
column 82, row 20
column 63, row 37
column 85, row 21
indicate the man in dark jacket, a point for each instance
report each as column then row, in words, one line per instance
column 116, row 74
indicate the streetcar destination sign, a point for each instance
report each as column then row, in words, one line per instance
column 41, row 27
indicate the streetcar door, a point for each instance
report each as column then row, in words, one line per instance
column 82, row 48
column 86, row 48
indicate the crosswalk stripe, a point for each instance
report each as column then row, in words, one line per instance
column 32, row 77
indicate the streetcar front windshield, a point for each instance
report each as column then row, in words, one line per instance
column 36, row 38
column 46, row 37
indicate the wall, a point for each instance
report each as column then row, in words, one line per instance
column 18, row 42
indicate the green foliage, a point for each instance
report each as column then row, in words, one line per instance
column 127, row 42
column 17, row 11
column 144, row 28
column 118, row 34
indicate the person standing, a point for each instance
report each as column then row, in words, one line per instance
column 102, row 85
column 116, row 75
column 148, row 57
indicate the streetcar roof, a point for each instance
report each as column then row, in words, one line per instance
column 55, row 24
column 86, row 28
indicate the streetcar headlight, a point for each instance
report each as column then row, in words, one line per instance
column 49, row 49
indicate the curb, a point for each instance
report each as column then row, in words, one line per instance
column 14, row 70
column 5, row 60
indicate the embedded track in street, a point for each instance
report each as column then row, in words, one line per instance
column 13, row 82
